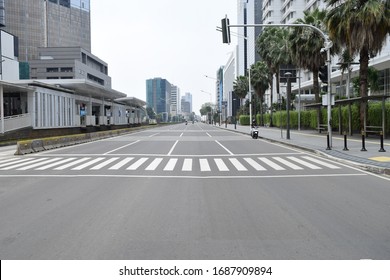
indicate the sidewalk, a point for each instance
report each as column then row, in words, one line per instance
column 372, row 159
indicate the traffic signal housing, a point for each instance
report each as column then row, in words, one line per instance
column 225, row 31
column 323, row 74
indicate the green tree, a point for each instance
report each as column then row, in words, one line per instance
column 260, row 82
column 306, row 45
column 150, row 112
column 241, row 87
column 362, row 27
column 273, row 47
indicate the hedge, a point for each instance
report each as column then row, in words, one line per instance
column 309, row 117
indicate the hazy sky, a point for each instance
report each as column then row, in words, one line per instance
column 172, row 39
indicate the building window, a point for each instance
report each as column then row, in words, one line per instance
column 66, row 69
column 52, row 70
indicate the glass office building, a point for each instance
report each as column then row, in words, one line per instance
column 48, row 23
column 158, row 95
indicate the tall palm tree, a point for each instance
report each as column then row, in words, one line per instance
column 306, row 45
column 260, row 82
column 241, row 87
column 362, row 27
column 273, row 47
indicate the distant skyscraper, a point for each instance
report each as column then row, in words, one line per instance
column 158, row 95
column 175, row 100
column 188, row 98
column 48, row 23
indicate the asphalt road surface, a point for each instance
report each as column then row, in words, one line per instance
column 189, row 192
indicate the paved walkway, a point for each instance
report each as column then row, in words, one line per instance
column 313, row 141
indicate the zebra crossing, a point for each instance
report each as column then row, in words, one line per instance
column 184, row 164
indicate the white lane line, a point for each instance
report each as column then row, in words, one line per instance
column 254, row 164
column 104, row 163
column 16, row 161
column 187, row 164
column 154, row 135
column 181, row 135
column 271, row 163
column 304, row 163
column 287, row 163
column 320, row 162
column 238, row 164
column 62, row 167
column 204, row 165
column 121, row 163
column 89, row 163
column 55, row 164
column 173, row 147
column 221, row 164
column 171, row 164
column 39, row 164
column 122, row 147
column 155, row 163
column 137, row 164
column 209, row 135
column 226, row 149
column 23, row 164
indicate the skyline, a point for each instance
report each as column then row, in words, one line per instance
column 170, row 39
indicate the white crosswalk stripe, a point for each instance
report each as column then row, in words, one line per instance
column 187, row 164
column 155, row 163
column 221, row 164
column 121, row 163
column 304, row 163
column 238, row 164
column 171, row 164
column 179, row 164
column 204, row 165
column 271, row 164
column 289, row 164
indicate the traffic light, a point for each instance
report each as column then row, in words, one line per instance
column 323, row 74
column 225, row 30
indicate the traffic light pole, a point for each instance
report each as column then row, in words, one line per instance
column 327, row 45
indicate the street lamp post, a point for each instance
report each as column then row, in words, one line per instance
column 288, row 76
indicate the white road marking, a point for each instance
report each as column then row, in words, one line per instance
column 137, row 164
column 226, row 149
column 187, row 164
column 104, row 163
column 155, row 163
column 287, row 163
column 204, row 165
column 122, row 147
column 254, row 164
column 89, row 163
column 55, row 164
column 304, row 163
column 23, row 163
column 173, row 147
column 121, row 163
column 73, row 163
column 323, row 163
column 38, row 164
column 171, row 164
column 238, row 164
column 271, row 164
column 221, row 164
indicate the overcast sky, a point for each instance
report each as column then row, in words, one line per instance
column 172, row 39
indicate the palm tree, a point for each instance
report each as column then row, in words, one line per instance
column 260, row 82
column 362, row 27
column 273, row 47
column 306, row 45
column 241, row 87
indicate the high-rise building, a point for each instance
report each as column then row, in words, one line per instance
column 249, row 12
column 47, row 23
column 175, row 100
column 158, row 95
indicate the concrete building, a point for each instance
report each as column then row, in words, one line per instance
column 69, row 63
column 175, row 101
column 9, row 56
column 48, row 23
column 249, row 12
